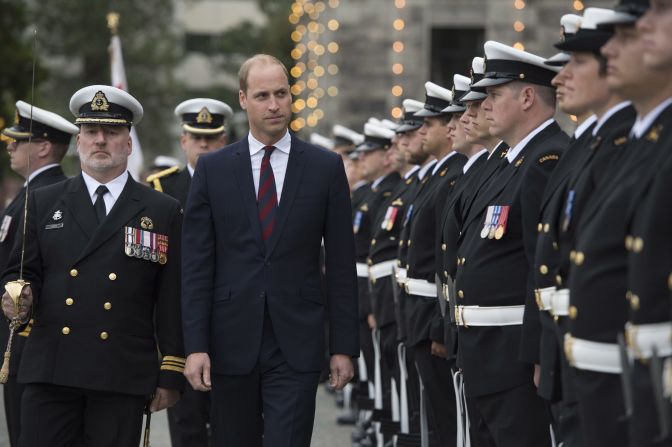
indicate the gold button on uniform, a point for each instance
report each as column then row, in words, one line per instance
column 401, row 243
column 69, row 301
column 572, row 255
column 634, row 302
column 65, row 330
column 628, row 242
column 543, row 269
column 444, row 247
column 373, row 242
column 540, row 226
column 74, row 272
column 579, row 258
column 409, row 243
column 107, row 306
column 558, row 280
column 637, row 244
column 573, row 312
column 547, row 228
column 460, row 293
column 112, row 276
column 103, row 335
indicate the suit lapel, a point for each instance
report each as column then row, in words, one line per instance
column 127, row 206
column 290, row 186
column 242, row 169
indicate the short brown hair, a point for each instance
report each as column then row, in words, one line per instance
column 263, row 59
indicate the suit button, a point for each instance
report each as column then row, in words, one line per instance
column 74, row 272
column 543, row 269
column 460, row 293
column 107, row 306
column 65, row 330
column 112, row 276
column 573, row 312
column 103, row 335
column 69, row 301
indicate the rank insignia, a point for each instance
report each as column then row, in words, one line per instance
column 519, row 162
column 145, row 245
column 409, row 180
column 4, row 228
column 99, row 102
column 443, row 173
column 146, row 223
column 654, row 134
column 364, row 208
column 58, row 215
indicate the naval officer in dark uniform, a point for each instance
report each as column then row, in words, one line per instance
column 103, row 261
column 497, row 252
column 35, row 156
column 203, row 131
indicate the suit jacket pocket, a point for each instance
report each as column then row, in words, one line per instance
column 222, row 293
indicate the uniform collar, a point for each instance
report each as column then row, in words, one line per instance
column 115, row 186
column 513, row 152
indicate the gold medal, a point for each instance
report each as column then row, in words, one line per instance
column 499, row 232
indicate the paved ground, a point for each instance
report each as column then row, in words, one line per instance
column 326, row 433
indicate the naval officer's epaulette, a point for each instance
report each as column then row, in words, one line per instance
column 155, row 179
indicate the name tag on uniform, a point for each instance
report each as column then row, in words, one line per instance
column 4, row 228
column 145, row 245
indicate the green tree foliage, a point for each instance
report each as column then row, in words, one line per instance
column 74, row 45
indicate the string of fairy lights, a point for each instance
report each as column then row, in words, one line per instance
column 313, row 36
column 398, row 47
column 519, row 26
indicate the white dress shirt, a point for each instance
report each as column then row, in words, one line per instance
column 513, row 152
column 37, row 172
column 643, row 123
column 440, row 163
column 115, row 187
column 279, row 159
column 472, row 160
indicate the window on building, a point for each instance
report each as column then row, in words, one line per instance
column 453, row 49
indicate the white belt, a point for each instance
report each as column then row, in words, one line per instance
column 560, row 303
column 593, row 355
column 400, row 275
column 420, row 287
column 489, row 316
column 382, row 269
column 362, row 270
column 544, row 297
column 642, row 338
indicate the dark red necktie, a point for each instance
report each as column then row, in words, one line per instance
column 267, row 198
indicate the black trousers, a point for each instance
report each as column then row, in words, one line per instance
column 188, row 420
column 568, row 425
column 437, row 379
column 644, row 426
column 513, row 418
column 12, row 393
column 273, row 406
column 601, row 408
column 58, row 416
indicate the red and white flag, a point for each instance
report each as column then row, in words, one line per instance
column 135, row 161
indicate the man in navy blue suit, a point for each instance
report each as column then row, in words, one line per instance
column 253, row 306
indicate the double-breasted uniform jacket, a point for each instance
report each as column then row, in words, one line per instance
column 649, row 267
column 384, row 244
column 363, row 226
column 422, row 314
column 539, row 342
column 497, row 272
column 173, row 182
column 604, row 148
column 99, row 313
column 10, row 231
column 598, row 280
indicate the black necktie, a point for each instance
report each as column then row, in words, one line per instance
column 99, row 206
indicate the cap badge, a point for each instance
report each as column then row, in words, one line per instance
column 58, row 215
column 204, row 116
column 146, row 223
column 99, row 102
column 16, row 117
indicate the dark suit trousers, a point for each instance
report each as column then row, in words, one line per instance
column 285, row 398
column 512, row 418
column 12, row 392
column 188, row 419
column 58, row 416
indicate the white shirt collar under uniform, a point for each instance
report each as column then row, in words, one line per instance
column 642, row 123
column 472, row 160
column 39, row 171
column 608, row 114
column 115, row 187
column 426, row 167
column 581, row 128
column 515, row 151
column 411, row 171
column 442, row 161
